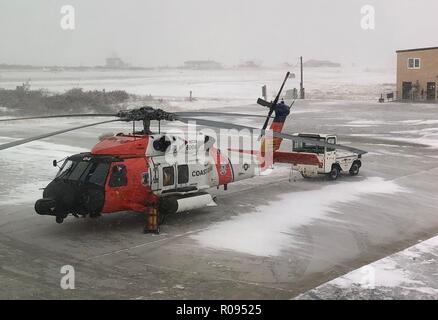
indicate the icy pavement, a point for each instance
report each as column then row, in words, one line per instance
column 408, row 274
column 316, row 230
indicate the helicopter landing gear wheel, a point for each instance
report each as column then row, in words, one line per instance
column 152, row 221
column 59, row 219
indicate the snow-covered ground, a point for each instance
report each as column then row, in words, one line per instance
column 270, row 228
column 415, row 131
column 408, row 274
column 214, row 88
column 318, row 224
column 28, row 170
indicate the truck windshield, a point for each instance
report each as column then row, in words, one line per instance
column 84, row 171
column 308, row 147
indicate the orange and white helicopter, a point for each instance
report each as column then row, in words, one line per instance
column 159, row 174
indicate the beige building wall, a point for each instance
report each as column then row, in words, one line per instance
column 428, row 72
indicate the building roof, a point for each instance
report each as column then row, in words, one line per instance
column 418, row 49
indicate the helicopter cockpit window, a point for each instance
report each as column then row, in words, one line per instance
column 65, row 169
column 84, row 171
column 97, row 173
column 78, row 170
column 118, row 176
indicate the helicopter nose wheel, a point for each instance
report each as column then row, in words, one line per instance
column 59, row 219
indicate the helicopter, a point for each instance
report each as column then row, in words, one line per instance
column 159, row 173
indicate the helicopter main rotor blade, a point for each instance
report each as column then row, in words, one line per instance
column 224, row 125
column 188, row 114
column 216, row 114
column 47, row 135
column 62, row 116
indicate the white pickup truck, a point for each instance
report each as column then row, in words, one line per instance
column 332, row 161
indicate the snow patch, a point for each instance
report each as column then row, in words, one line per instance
column 386, row 274
column 410, row 271
column 419, row 122
column 366, row 123
column 266, row 231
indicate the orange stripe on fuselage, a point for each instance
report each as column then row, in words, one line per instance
column 223, row 166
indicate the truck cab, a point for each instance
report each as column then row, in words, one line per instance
column 332, row 161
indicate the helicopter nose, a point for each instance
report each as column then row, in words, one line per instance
column 59, row 198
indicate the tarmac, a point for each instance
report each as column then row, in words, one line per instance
column 113, row 259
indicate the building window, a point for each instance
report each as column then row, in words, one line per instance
column 414, row 63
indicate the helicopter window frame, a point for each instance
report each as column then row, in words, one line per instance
column 168, row 176
column 183, row 174
column 118, row 176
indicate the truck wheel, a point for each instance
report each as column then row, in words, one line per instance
column 334, row 174
column 354, row 170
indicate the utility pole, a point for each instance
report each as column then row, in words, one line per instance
column 265, row 93
column 302, row 81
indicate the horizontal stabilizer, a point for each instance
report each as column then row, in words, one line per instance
column 264, row 103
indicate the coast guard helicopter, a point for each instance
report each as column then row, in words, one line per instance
column 132, row 171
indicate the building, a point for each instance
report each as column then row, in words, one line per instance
column 321, row 64
column 250, row 64
column 417, row 74
column 115, row 62
column 202, row 65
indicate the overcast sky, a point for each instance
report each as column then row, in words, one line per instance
column 168, row 32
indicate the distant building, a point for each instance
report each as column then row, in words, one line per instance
column 202, row 64
column 321, row 64
column 417, row 74
column 115, row 62
column 249, row 65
